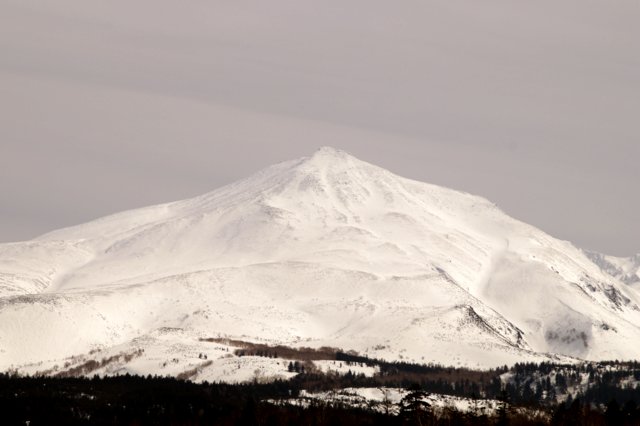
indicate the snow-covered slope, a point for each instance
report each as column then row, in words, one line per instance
column 626, row 269
column 326, row 250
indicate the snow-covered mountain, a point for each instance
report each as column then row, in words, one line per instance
column 626, row 269
column 326, row 250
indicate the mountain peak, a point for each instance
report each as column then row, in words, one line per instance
column 333, row 171
column 328, row 156
column 332, row 166
column 329, row 151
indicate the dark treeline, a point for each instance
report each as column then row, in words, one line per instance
column 531, row 384
column 593, row 394
column 433, row 378
column 594, row 383
column 277, row 351
column 131, row 400
column 578, row 412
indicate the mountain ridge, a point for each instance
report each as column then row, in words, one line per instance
column 626, row 269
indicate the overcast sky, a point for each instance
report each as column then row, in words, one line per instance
column 111, row 105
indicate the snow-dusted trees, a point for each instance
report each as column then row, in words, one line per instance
column 414, row 408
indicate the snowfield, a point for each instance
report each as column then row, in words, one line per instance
column 387, row 400
column 325, row 250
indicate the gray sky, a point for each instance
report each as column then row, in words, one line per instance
column 111, row 105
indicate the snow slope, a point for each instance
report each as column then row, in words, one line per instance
column 626, row 269
column 388, row 400
column 325, row 250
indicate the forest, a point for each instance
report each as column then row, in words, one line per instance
column 588, row 394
